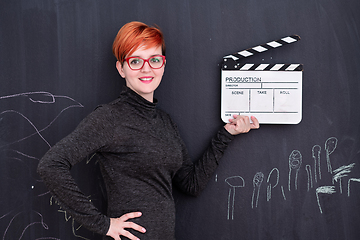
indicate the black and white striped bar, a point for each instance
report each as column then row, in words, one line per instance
column 269, row 67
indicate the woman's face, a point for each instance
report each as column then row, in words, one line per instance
column 145, row 80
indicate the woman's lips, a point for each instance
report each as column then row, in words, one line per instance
column 146, row 79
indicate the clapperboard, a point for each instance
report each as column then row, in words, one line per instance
column 270, row 92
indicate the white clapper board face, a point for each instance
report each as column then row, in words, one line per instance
column 270, row 92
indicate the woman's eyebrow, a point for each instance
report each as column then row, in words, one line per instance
column 149, row 57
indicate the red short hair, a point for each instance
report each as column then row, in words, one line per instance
column 134, row 34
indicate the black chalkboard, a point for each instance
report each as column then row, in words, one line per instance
column 56, row 66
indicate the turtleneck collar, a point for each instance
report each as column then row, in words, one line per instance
column 138, row 100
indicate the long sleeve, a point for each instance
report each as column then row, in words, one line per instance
column 92, row 134
column 141, row 156
column 192, row 177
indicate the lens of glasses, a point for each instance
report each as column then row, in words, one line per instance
column 137, row 63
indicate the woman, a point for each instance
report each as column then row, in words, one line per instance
column 140, row 151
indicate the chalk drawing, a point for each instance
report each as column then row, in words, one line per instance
column 6, row 214
column 41, row 222
column 257, row 180
column 21, row 104
column 234, row 182
column 67, row 218
column 352, row 180
column 76, row 229
column 324, row 190
column 283, row 193
column 20, row 178
column 341, row 172
column 37, row 131
column 272, row 185
column 7, row 228
column 314, row 175
column 316, row 150
column 330, row 146
column 51, row 99
column 295, row 161
column 309, row 175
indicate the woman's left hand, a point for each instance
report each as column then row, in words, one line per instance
column 241, row 124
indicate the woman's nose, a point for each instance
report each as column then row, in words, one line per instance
column 146, row 67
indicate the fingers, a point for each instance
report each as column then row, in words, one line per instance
column 125, row 234
column 241, row 124
column 129, row 235
column 128, row 216
column 134, row 226
column 118, row 226
column 240, row 120
column 245, row 119
column 255, row 123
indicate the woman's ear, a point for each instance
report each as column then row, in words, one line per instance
column 120, row 69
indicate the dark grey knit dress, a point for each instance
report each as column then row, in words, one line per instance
column 141, row 155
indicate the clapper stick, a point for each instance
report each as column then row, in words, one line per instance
column 235, row 57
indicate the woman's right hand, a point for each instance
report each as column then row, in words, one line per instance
column 118, row 226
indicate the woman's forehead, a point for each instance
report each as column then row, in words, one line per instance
column 146, row 51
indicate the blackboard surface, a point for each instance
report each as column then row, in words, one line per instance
column 279, row 182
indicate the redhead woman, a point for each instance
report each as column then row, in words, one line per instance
column 141, row 154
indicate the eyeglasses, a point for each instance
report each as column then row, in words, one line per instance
column 137, row 63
